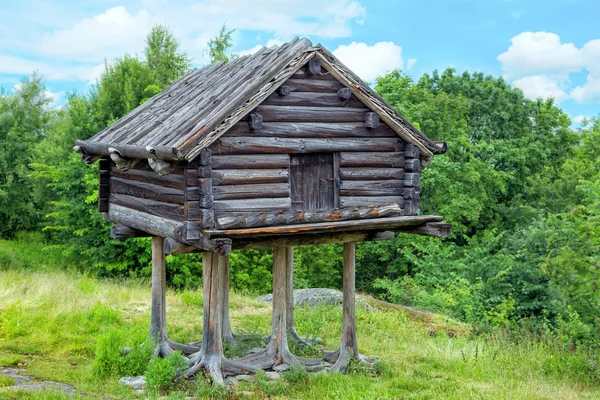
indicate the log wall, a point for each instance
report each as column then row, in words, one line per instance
column 310, row 113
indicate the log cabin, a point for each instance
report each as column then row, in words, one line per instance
column 281, row 148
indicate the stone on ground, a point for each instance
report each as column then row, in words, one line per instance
column 313, row 297
column 135, row 382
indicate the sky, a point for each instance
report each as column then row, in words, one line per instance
column 546, row 48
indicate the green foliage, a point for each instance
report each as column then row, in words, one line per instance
column 220, row 44
column 164, row 59
column 161, row 372
column 111, row 360
column 6, row 381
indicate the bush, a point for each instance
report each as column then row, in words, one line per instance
column 111, row 359
column 161, row 372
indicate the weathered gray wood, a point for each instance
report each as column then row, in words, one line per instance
column 367, row 173
column 229, row 220
column 363, row 201
column 303, row 74
column 312, row 182
column 152, row 224
column 204, row 216
column 412, row 179
column 311, row 130
column 372, row 188
column 255, row 121
column 412, row 165
column 172, row 246
column 412, row 151
column 411, row 207
column 312, row 114
column 372, row 159
column 262, row 204
column 174, row 181
column 158, row 317
column 284, row 90
column 410, row 193
column 371, row 120
column 312, row 99
column 248, row 176
column 433, row 229
column 344, row 94
column 269, row 190
column 170, row 211
column 313, row 85
column 442, row 146
column 159, row 166
column 392, row 223
column 258, row 145
column 146, row 191
column 265, row 161
column 336, row 180
column 310, row 239
column 313, row 67
column 121, row 232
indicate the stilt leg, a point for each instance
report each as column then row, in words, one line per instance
column 210, row 357
column 277, row 350
column 158, row 319
column 348, row 349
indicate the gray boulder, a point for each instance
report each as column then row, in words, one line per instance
column 312, row 297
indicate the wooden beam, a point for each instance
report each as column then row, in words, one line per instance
column 313, row 66
column 310, row 239
column 284, row 91
column 434, row 229
column 312, row 114
column 252, row 161
column 312, row 130
column 255, row 121
column 120, row 231
column 372, row 159
column 344, row 94
column 391, row 223
column 372, row 120
column 245, row 176
column 172, row 246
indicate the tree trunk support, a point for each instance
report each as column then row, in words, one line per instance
column 210, row 357
column 277, row 350
column 348, row 349
column 158, row 318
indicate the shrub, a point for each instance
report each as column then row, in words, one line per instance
column 161, row 372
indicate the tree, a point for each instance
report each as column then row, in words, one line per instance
column 219, row 45
column 166, row 62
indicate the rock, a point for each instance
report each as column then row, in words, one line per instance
column 247, row 378
column 315, row 368
column 16, row 375
column 272, row 375
column 247, row 393
column 139, row 391
column 281, row 368
column 65, row 389
column 231, row 381
column 136, row 382
column 312, row 297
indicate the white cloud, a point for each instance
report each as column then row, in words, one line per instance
column 540, row 64
column 578, row 120
column 51, row 71
column 270, row 43
column 542, row 86
column 370, row 62
column 106, row 35
column 410, row 63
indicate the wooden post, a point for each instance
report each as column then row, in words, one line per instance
column 158, row 317
column 291, row 327
column 210, row 357
column 348, row 347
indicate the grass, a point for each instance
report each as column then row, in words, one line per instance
column 51, row 322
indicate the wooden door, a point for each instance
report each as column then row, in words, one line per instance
column 312, row 181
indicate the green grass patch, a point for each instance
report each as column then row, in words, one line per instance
column 72, row 328
column 6, row 381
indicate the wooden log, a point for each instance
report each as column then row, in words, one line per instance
column 312, row 130
column 412, row 165
column 159, row 166
column 248, row 176
column 255, row 121
column 310, row 239
column 205, row 156
column 313, row 67
column 172, row 246
column 103, row 191
column 103, row 205
column 412, row 151
column 372, row 188
column 312, row 99
column 193, row 212
column 303, row 74
column 174, row 181
column 344, row 94
column 256, row 145
column 411, row 207
column 313, row 85
column 103, row 178
column 270, row 190
column 412, row 179
column 410, row 193
column 283, row 90
column 158, row 310
column 120, row 231
column 378, row 160
column 371, row 120
column 442, row 147
column 434, row 229
column 104, row 164
column 262, row 204
column 143, row 221
column 358, row 201
column 371, row 173
column 205, row 186
column 146, row 191
column 263, row 161
column 228, row 220
column 312, row 114
column 391, row 223
column 170, row 211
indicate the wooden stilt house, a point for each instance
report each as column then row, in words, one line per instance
column 284, row 147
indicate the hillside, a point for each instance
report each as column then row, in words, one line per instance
column 50, row 323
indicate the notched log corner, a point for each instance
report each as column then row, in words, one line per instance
column 121, row 162
column 85, row 156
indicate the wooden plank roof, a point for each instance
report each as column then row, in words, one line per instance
column 193, row 112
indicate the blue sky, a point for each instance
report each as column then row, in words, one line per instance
column 546, row 48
